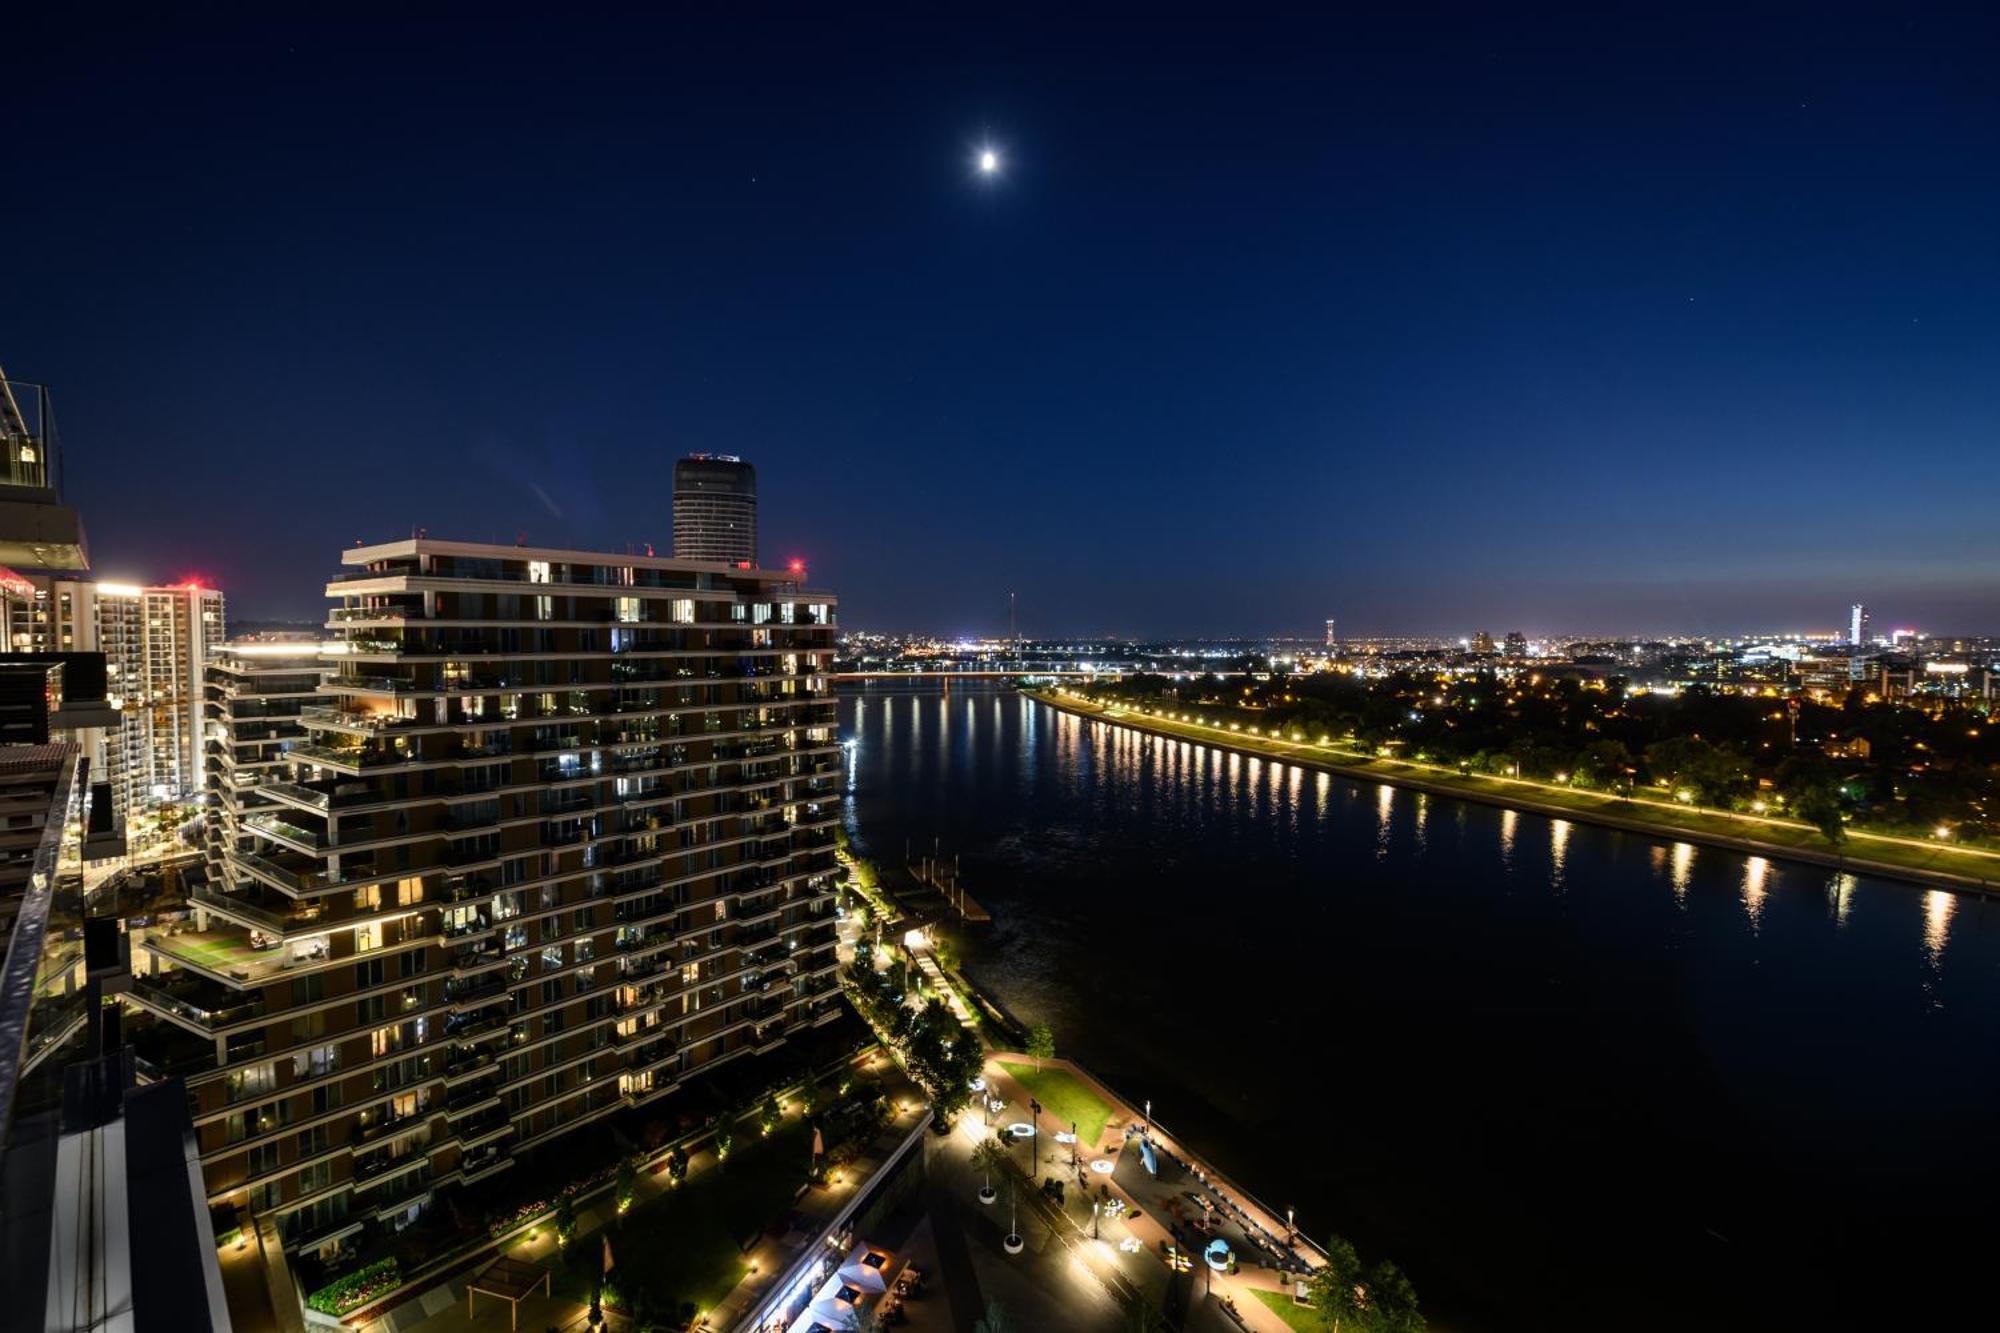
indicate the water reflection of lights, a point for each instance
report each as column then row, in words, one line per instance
column 1683, row 869
column 1508, row 821
column 1558, row 850
column 1755, row 870
column 1938, row 908
column 1843, row 898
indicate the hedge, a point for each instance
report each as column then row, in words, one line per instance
column 356, row 1289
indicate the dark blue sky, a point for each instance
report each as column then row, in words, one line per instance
column 1430, row 319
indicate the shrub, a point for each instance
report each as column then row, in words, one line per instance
column 356, row 1289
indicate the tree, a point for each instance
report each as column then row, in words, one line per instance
column 811, row 1095
column 1605, row 765
column 677, row 1166
column 1334, row 1285
column 565, row 1217
column 723, row 1141
column 1819, row 805
column 1392, row 1300
column 628, row 1180
column 767, row 1114
column 990, row 1156
column 1042, row 1043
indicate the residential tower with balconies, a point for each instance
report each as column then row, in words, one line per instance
column 558, row 837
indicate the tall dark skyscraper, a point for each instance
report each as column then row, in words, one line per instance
column 715, row 509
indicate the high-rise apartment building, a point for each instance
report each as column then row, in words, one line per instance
column 715, row 509
column 156, row 643
column 1857, row 625
column 559, row 837
column 1517, row 643
column 1332, row 636
column 255, row 694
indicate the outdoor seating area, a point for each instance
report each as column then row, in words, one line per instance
column 862, row 1283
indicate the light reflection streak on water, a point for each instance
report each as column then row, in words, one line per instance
column 1755, row 871
column 1508, row 820
column 1683, row 870
column 1385, row 807
column 1938, row 908
column 1843, row 897
column 1558, row 852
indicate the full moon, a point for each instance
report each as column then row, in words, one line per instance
column 989, row 161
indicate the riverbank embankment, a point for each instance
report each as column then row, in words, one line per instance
column 1909, row 860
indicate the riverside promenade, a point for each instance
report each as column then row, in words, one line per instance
column 1931, row 864
column 1213, row 1300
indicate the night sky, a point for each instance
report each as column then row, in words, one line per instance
column 1433, row 320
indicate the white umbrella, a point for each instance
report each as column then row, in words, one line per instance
column 833, row 1313
column 864, row 1278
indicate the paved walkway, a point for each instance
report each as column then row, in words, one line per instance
column 1145, row 1217
column 933, row 975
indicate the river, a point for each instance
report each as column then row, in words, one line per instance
column 1568, row 1078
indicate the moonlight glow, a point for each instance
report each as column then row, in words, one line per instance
column 989, row 162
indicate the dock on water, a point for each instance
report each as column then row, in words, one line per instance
column 941, row 877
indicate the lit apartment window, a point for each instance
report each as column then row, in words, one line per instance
column 409, row 891
column 628, row 609
column 538, row 571
column 367, row 936
column 681, row 610
column 545, row 608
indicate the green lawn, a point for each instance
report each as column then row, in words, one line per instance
column 1065, row 1097
column 1295, row 1316
column 684, row 1244
column 217, row 953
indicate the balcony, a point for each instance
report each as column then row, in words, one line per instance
column 466, row 995
column 227, row 955
column 473, row 1026
column 464, row 1062
column 470, row 1097
column 369, row 684
column 360, row 724
column 286, row 834
column 352, row 757
column 301, row 919
column 478, row 924
column 170, row 998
